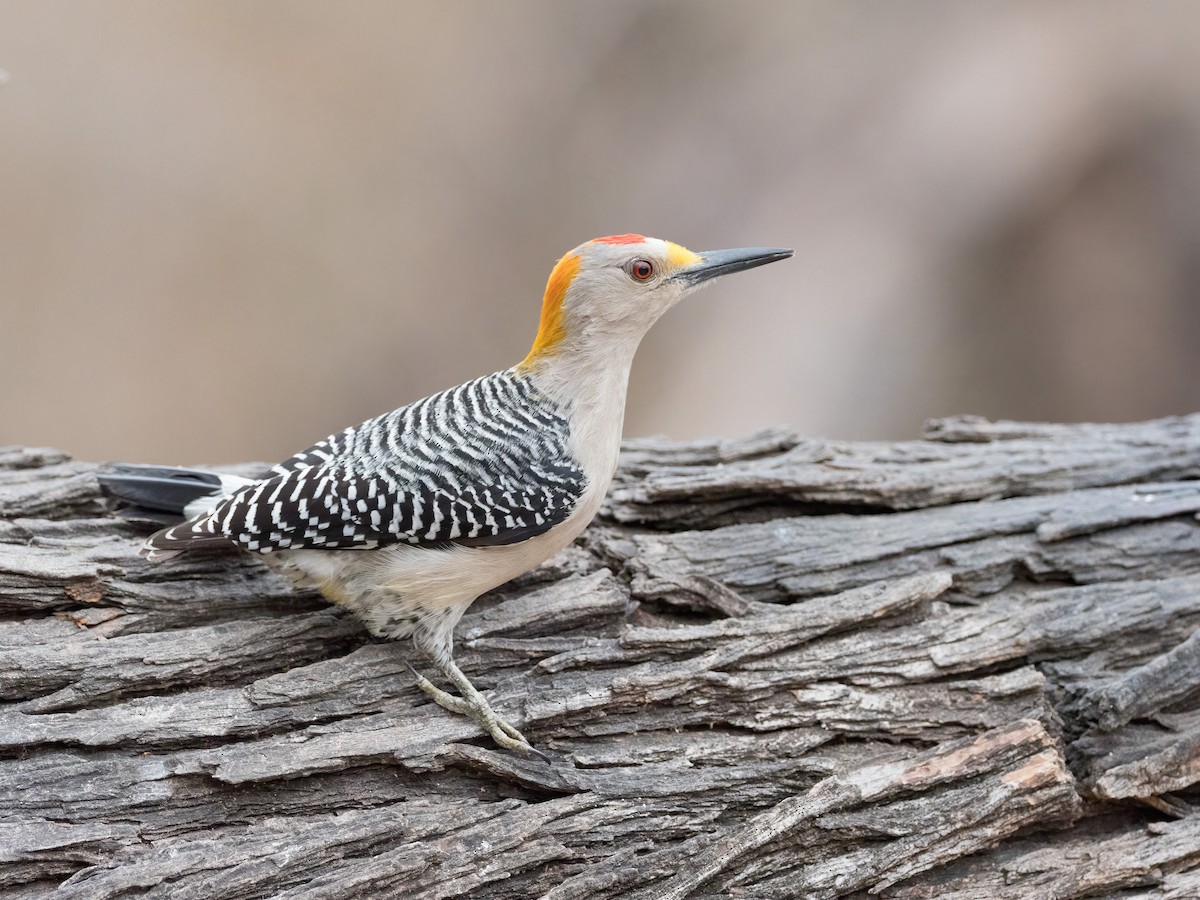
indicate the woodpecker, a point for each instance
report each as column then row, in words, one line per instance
column 409, row 517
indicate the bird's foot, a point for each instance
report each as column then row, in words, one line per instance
column 444, row 699
column 476, row 708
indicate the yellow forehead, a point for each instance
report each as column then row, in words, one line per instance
column 681, row 257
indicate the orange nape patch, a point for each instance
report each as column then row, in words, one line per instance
column 620, row 239
column 551, row 328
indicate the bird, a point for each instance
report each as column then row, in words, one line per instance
column 407, row 518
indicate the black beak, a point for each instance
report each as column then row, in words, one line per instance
column 715, row 263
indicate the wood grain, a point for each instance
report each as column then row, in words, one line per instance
column 962, row 667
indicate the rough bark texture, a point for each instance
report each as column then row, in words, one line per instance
column 960, row 667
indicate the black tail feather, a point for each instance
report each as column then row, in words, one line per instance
column 155, row 516
column 157, row 489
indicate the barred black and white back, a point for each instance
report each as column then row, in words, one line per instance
column 483, row 464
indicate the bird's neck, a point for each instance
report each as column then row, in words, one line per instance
column 589, row 384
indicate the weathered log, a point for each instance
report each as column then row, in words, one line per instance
column 965, row 666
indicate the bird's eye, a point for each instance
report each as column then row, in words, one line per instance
column 641, row 270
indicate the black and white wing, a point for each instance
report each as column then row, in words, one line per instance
column 483, row 464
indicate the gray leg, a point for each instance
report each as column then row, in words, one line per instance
column 441, row 698
column 471, row 704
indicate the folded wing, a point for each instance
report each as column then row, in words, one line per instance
column 486, row 463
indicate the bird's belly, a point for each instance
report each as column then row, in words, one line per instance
column 429, row 578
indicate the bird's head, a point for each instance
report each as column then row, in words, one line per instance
column 604, row 295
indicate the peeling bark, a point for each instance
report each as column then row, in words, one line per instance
column 961, row 667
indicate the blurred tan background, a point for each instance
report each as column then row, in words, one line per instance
column 228, row 228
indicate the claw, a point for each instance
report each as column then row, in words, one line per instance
column 476, row 708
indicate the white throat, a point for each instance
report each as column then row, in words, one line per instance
column 589, row 385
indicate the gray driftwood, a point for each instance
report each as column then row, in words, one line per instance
column 960, row 667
